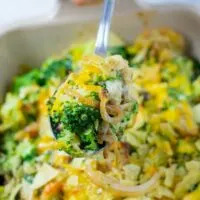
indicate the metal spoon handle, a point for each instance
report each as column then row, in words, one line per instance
column 104, row 28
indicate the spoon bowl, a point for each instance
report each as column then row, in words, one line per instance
column 101, row 50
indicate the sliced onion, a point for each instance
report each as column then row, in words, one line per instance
column 109, row 138
column 103, row 132
column 45, row 174
column 113, row 109
column 127, row 75
column 127, row 106
column 118, row 188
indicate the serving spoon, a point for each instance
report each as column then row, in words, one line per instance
column 101, row 45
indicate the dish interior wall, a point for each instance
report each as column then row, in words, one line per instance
column 32, row 45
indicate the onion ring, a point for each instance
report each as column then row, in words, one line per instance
column 117, row 188
column 102, row 132
column 103, row 110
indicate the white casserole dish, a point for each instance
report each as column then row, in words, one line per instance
column 32, row 43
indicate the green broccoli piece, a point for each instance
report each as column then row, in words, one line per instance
column 27, row 87
column 26, row 150
column 27, row 79
column 55, row 68
column 51, row 68
column 118, row 129
column 70, row 143
column 89, row 139
column 78, row 117
column 76, row 120
column 118, row 50
column 7, row 143
column 94, row 96
column 176, row 94
column 29, row 178
column 196, row 68
column 185, row 66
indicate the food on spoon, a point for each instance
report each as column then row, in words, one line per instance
column 99, row 95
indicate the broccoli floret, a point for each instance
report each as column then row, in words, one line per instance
column 28, row 86
column 78, row 117
column 51, row 68
column 27, row 79
column 26, row 150
column 185, row 66
column 76, row 120
column 176, row 94
column 29, row 178
column 118, row 50
column 7, row 143
column 196, row 68
column 89, row 139
column 70, row 143
column 94, row 96
column 55, row 68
